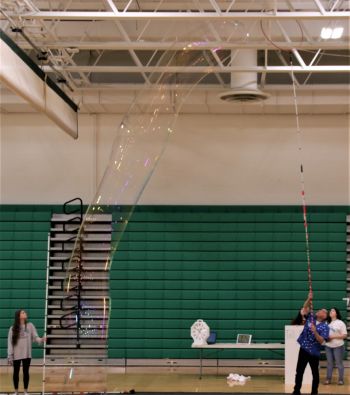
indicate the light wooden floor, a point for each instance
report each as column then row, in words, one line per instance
column 148, row 379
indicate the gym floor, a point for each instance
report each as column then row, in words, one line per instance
column 147, row 379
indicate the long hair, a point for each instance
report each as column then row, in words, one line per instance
column 298, row 320
column 16, row 327
column 329, row 319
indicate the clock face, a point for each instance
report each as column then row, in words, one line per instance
column 200, row 332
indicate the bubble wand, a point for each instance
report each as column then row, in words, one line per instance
column 302, row 183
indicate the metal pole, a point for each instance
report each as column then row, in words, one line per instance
column 79, row 279
column 200, row 363
column 46, row 304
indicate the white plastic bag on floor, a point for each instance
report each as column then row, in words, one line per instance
column 237, row 378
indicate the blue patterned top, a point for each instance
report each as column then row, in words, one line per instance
column 307, row 339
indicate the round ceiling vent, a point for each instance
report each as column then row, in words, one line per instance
column 244, row 95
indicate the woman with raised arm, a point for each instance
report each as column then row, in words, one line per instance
column 19, row 347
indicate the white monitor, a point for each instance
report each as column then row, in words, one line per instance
column 244, row 339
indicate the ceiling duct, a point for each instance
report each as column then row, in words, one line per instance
column 244, row 84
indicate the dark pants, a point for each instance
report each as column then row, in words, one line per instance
column 16, row 368
column 304, row 359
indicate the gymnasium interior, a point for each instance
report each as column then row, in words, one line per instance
column 174, row 183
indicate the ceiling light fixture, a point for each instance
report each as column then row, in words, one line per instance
column 337, row 32
column 330, row 33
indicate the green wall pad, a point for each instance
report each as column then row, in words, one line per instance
column 242, row 269
column 23, row 252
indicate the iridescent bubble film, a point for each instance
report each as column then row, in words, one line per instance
column 139, row 143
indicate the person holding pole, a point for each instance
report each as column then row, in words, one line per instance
column 314, row 334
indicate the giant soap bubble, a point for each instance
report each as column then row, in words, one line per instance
column 140, row 141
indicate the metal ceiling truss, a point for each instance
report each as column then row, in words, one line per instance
column 133, row 16
column 79, row 35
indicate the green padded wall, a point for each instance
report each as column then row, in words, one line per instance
column 23, row 253
column 240, row 268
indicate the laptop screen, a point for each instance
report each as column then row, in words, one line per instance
column 244, row 339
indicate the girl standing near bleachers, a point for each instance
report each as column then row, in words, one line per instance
column 19, row 347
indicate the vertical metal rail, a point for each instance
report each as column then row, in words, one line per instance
column 46, row 305
column 79, row 280
column 78, row 267
column 347, row 298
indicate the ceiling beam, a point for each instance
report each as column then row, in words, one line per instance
column 201, row 69
column 205, row 87
column 163, row 45
column 320, row 6
column 105, row 15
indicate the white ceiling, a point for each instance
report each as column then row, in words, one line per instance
column 106, row 50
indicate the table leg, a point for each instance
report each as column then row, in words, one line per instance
column 200, row 363
column 217, row 363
